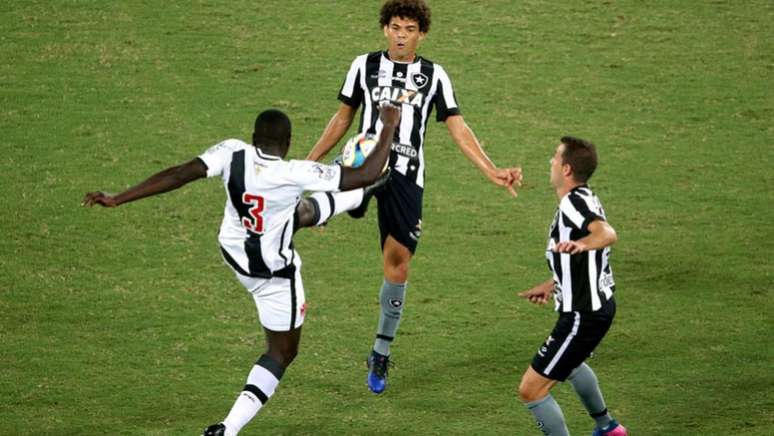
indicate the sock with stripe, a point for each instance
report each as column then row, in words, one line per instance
column 330, row 204
column 261, row 384
column 548, row 416
column 391, row 297
column 586, row 385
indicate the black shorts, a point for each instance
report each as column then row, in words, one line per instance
column 575, row 336
column 400, row 211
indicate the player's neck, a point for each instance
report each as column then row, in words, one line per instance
column 566, row 188
column 270, row 150
column 409, row 58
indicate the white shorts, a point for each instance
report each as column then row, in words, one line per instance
column 280, row 302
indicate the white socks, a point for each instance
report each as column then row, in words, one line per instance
column 261, row 384
column 331, row 204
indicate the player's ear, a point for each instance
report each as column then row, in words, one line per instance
column 386, row 31
column 422, row 36
column 566, row 170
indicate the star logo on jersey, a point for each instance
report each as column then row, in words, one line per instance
column 419, row 80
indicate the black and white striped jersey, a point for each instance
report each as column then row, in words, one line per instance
column 418, row 86
column 256, row 235
column 583, row 281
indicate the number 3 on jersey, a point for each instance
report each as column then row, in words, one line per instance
column 254, row 221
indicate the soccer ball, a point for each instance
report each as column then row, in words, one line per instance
column 357, row 149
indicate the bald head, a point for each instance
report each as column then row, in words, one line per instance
column 272, row 132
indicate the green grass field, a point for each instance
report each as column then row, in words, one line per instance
column 126, row 321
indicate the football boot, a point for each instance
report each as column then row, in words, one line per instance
column 377, row 372
column 215, row 430
column 612, row 429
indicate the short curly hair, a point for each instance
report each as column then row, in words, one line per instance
column 407, row 9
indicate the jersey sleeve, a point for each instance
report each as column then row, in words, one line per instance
column 577, row 210
column 217, row 157
column 351, row 92
column 445, row 101
column 313, row 176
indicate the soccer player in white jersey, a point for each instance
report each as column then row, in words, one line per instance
column 582, row 284
column 399, row 75
column 263, row 209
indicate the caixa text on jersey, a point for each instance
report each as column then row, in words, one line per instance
column 397, row 95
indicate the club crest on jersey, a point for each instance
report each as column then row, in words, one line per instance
column 397, row 95
column 323, row 171
column 419, row 80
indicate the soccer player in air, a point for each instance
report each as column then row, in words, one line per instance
column 419, row 85
column 582, row 285
column 263, row 209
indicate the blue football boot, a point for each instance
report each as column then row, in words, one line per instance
column 377, row 372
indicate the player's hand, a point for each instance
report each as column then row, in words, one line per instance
column 572, row 247
column 537, row 295
column 389, row 114
column 100, row 198
column 509, row 178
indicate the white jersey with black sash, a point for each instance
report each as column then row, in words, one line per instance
column 262, row 192
column 583, row 281
column 418, row 86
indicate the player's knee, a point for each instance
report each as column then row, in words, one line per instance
column 528, row 392
column 290, row 356
column 396, row 272
column 283, row 356
column 306, row 213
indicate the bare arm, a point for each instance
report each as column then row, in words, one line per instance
column 365, row 174
column 540, row 293
column 334, row 131
column 163, row 181
column 602, row 235
column 469, row 145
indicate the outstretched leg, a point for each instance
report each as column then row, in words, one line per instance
column 319, row 207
